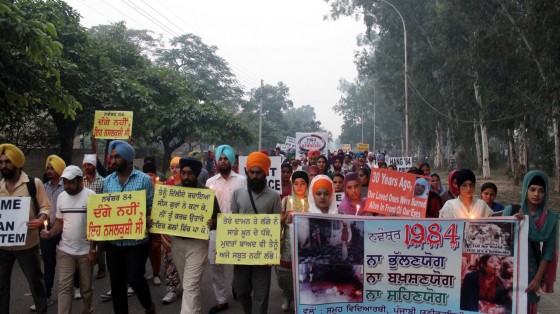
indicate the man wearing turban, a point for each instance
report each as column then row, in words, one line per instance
column 252, row 283
column 223, row 183
column 189, row 254
column 54, row 167
column 14, row 183
column 126, row 259
column 204, row 175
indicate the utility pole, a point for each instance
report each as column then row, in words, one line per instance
column 260, row 115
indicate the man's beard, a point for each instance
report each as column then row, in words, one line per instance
column 188, row 183
column 337, row 167
column 256, row 185
column 225, row 171
column 8, row 174
column 118, row 168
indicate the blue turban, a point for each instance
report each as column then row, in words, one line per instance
column 226, row 150
column 123, row 149
column 361, row 154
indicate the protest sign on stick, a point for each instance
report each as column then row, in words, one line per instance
column 112, row 124
column 14, row 215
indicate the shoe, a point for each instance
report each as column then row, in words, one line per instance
column 107, row 296
column 157, row 281
column 130, row 292
column 149, row 277
column 101, row 273
column 50, row 303
column 218, row 308
column 169, row 297
column 285, row 305
column 77, row 294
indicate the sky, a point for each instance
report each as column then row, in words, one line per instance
column 275, row 41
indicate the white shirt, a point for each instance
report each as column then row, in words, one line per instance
column 456, row 209
column 224, row 188
column 72, row 209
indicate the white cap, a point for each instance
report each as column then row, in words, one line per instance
column 90, row 159
column 71, row 172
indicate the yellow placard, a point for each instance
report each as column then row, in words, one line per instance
column 361, row 147
column 112, row 124
column 182, row 211
column 117, row 216
column 248, row 239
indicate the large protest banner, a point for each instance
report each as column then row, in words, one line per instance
column 14, row 215
column 248, row 239
column 112, row 124
column 311, row 141
column 397, row 193
column 274, row 177
column 402, row 163
column 346, row 264
column 182, row 211
column 117, row 216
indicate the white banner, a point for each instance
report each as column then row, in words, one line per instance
column 14, row 215
column 402, row 163
column 311, row 141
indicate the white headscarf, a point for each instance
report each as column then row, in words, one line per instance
column 312, row 206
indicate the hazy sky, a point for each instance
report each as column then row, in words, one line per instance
column 286, row 41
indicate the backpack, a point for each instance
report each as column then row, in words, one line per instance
column 32, row 190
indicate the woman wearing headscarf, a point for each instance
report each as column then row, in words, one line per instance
column 435, row 183
column 352, row 196
column 175, row 172
column 363, row 175
column 543, row 236
column 322, row 164
column 322, row 196
column 298, row 203
column 285, row 174
column 313, row 171
column 465, row 205
column 453, row 190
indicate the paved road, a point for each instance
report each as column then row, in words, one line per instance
column 21, row 298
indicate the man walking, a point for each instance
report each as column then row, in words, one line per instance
column 126, row 259
column 189, row 254
column 252, row 283
column 14, row 183
column 224, row 183
column 74, row 250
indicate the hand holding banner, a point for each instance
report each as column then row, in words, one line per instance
column 14, row 215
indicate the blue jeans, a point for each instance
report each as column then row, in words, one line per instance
column 30, row 264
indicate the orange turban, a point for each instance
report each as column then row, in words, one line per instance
column 323, row 183
column 174, row 161
column 313, row 153
column 57, row 163
column 14, row 154
column 258, row 159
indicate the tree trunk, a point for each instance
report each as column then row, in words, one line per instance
column 438, row 156
column 449, row 149
column 66, row 128
column 511, row 163
column 477, row 145
column 485, row 154
column 556, row 148
column 523, row 163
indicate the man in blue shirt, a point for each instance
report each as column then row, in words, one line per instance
column 126, row 259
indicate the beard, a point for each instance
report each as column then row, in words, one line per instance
column 118, row 167
column 225, row 170
column 337, row 167
column 257, row 185
column 188, row 183
column 8, row 174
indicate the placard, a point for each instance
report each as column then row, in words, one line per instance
column 182, row 211
column 349, row 264
column 346, row 148
column 290, row 141
column 361, row 147
column 396, row 193
column 403, row 164
column 117, row 216
column 14, row 215
column 248, row 239
column 311, row 141
column 112, row 124
column 338, row 196
column 274, row 177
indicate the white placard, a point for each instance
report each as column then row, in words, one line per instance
column 274, row 179
column 14, row 215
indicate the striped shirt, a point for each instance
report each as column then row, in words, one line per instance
column 96, row 185
column 137, row 181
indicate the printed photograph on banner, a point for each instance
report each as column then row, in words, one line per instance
column 489, row 238
column 274, row 177
column 112, row 124
column 182, row 211
column 397, row 193
column 14, row 215
column 330, row 260
column 117, row 216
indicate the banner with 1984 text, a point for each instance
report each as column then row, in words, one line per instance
column 346, row 264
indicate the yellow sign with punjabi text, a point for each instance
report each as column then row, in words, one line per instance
column 117, row 216
column 112, row 124
column 248, row 239
column 361, row 147
column 182, row 211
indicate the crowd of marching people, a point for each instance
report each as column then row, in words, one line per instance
column 57, row 224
